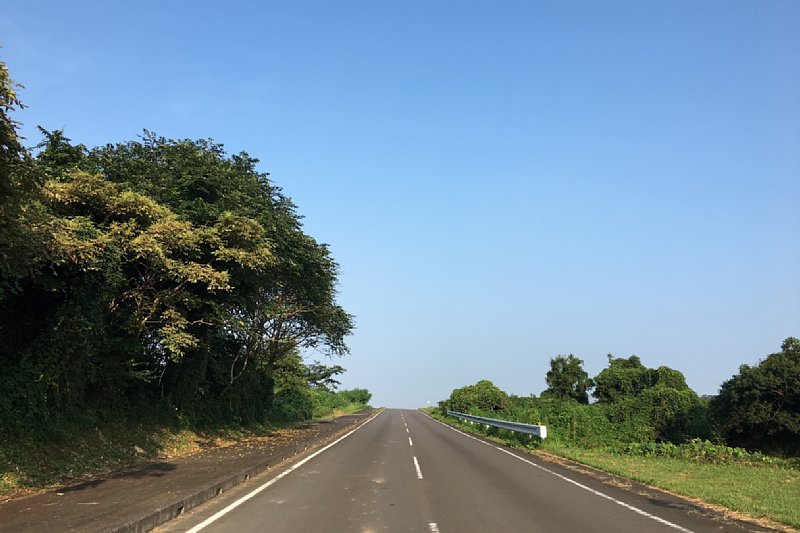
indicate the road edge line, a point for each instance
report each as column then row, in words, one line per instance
column 565, row 478
column 219, row 514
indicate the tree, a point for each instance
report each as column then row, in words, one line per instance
column 567, row 379
column 629, row 377
column 21, row 246
column 658, row 398
column 12, row 153
column 759, row 408
column 360, row 396
column 622, row 378
column 284, row 303
column 484, row 395
column 320, row 376
column 155, row 273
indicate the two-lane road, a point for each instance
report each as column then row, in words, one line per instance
column 403, row 471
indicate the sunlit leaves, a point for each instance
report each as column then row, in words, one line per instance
column 157, row 270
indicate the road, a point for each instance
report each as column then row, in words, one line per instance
column 403, row 471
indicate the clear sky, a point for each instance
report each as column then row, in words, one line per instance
column 500, row 182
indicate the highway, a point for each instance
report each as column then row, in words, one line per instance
column 403, row 471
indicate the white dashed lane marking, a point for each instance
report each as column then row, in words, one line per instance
column 416, row 465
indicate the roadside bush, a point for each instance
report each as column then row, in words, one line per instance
column 484, row 395
column 705, row 451
column 568, row 422
column 293, row 404
column 326, row 402
column 658, row 414
column 677, row 415
column 359, row 396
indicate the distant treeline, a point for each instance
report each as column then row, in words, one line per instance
column 151, row 278
column 757, row 409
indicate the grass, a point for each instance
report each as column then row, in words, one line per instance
column 30, row 464
column 348, row 409
column 758, row 491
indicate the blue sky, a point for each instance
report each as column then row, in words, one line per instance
column 500, row 182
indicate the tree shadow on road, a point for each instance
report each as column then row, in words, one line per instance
column 153, row 470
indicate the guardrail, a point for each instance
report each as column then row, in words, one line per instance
column 519, row 427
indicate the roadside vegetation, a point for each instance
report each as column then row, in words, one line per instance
column 29, row 463
column 739, row 449
column 151, row 288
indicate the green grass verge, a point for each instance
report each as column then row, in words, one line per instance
column 764, row 492
column 759, row 491
column 348, row 409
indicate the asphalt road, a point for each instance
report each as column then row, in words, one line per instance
column 403, row 471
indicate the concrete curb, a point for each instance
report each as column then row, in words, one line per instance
column 170, row 511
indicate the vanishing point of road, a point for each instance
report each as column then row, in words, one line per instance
column 403, row 471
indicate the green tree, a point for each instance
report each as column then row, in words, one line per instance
column 675, row 415
column 629, row 377
column 320, row 376
column 12, row 153
column 567, row 379
column 151, row 275
column 759, row 408
column 285, row 303
column 484, row 395
column 361, row 396
column 656, row 400
column 22, row 246
column 622, row 378
column 155, row 275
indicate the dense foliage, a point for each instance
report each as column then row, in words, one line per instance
column 567, row 379
column 629, row 377
column 484, row 395
column 704, row 451
column 652, row 410
column 153, row 277
column 759, row 408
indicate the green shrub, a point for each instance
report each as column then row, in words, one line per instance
column 705, row 451
column 360, row 396
column 326, row 402
column 484, row 395
column 659, row 414
column 293, row 404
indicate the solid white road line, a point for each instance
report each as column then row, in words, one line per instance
column 568, row 480
column 416, row 465
column 272, row 481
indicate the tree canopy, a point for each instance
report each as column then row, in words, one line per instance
column 658, row 397
column 759, row 408
column 152, row 273
column 484, row 395
column 629, row 377
column 567, row 379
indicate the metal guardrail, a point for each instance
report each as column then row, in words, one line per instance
column 519, row 427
